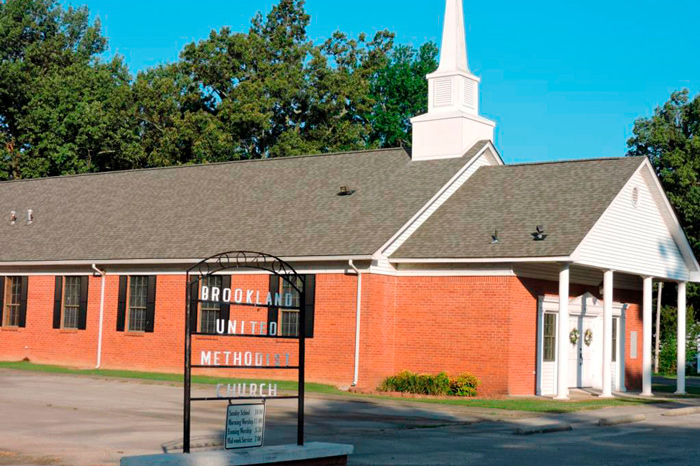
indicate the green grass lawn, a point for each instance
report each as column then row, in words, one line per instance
column 664, row 388
column 539, row 405
column 162, row 377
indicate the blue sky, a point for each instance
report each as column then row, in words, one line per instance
column 563, row 80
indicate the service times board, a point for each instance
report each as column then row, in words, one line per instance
column 245, row 425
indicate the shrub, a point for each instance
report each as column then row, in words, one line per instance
column 464, row 385
column 424, row 384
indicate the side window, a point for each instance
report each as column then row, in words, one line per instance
column 289, row 320
column 209, row 313
column 70, row 303
column 137, row 303
column 13, row 301
column 614, row 338
column 138, row 297
column 550, row 337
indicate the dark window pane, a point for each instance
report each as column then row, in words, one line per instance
column 13, row 291
column 71, row 302
column 210, row 312
column 614, row 340
column 290, row 317
column 138, row 295
column 550, row 338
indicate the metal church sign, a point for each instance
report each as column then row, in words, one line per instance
column 245, row 415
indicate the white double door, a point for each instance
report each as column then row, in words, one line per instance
column 582, row 361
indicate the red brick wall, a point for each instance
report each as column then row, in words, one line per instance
column 454, row 324
column 483, row 325
column 633, row 323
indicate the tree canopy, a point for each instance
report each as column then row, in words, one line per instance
column 266, row 92
column 671, row 140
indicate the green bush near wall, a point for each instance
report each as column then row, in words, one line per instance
column 441, row 384
column 668, row 360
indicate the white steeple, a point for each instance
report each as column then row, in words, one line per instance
column 453, row 54
column 452, row 124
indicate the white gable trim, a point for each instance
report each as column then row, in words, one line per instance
column 672, row 222
column 664, row 209
column 456, row 182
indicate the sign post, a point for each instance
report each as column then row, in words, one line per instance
column 242, row 416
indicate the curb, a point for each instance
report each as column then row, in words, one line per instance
column 625, row 419
column 546, row 429
column 682, row 411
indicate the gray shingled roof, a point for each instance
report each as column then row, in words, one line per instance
column 287, row 207
column 566, row 197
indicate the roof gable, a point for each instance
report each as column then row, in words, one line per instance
column 566, row 197
column 639, row 233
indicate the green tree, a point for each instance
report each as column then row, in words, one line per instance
column 267, row 92
column 276, row 94
column 175, row 121
column 668, row 360
column 400, row 91
column 671, row 141
column 62, row 110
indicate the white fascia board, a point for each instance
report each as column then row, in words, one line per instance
column 675, row 229
column 167, row 261
column 561, row 259
column 489, row 145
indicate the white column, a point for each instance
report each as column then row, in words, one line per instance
column 646, row 337
column 563, row 337
column 607, row 333
column 680, row 382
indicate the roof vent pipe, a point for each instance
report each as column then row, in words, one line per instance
column 30, row 217
column 13, row 217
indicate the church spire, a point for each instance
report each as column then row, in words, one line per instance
column 453, row 54
column 452, row 124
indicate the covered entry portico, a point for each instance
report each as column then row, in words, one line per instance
column 585, row 327
column 583, row 360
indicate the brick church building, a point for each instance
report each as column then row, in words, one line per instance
column 536, row 278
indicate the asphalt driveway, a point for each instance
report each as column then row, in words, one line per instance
column 84, row 421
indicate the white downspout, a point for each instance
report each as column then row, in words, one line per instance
column 358, row 316
column 102, row 309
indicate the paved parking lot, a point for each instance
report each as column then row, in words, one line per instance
column 81, row 421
